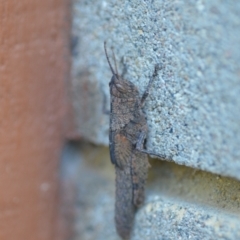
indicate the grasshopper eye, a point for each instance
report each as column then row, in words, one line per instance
column 120, row 88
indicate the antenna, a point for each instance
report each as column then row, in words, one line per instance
column 115, row 63
column 109, row 63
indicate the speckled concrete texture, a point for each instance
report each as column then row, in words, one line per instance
column 193, row 111
column 166, row 219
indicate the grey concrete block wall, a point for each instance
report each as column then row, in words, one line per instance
column 193, row 110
